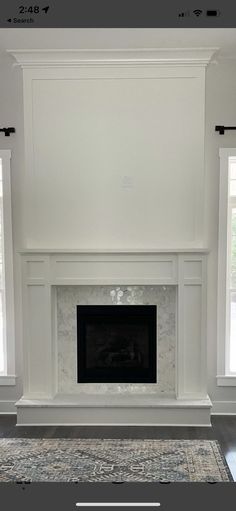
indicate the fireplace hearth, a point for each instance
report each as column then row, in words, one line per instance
column 116, row 344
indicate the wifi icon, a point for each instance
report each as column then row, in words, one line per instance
column 197, row 12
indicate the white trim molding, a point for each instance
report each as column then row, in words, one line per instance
column 223, row 408
column 226, row 381
column 150, row 57
column 7, row 407
column 7, row 380
column 5, row 156
column 223, row 379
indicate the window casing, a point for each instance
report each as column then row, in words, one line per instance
column 226, row 314
column 231, row 273
column 3, row 358
column 7, row 332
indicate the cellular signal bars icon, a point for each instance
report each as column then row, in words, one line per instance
column 184, row 14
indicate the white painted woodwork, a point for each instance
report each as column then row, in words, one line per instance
column 42, row 272
column 39, row 367
column 191, row 346
column 102, row 410
column 109, row 269
column 223, row 302
column 114, row 144
column 139, row 57
column 226, row 381
column 8, row 378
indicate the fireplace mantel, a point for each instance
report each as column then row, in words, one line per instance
column 44, row 269
column 180, row 250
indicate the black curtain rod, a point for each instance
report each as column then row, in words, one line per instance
column 222, row 129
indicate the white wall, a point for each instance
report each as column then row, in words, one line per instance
column 220, row 108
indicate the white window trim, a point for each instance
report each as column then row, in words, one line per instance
column 8, row 378
column 223, row 379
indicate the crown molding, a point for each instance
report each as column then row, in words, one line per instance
column 151, row 57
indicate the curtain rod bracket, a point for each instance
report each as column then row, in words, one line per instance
column 7, row 131
column 222, row 129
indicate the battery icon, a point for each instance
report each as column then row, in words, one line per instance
column 212, row 13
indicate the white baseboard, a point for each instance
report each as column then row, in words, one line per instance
column 7, row 407
column 223, row 408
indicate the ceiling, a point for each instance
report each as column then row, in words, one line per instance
column 20, row 38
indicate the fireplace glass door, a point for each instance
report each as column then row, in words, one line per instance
column 116, row 344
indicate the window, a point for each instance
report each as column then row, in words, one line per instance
column 231, row 352
column 7, row 338
column 227, row 270
column 2, row 286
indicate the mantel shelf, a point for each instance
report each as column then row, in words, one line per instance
column 188, row 250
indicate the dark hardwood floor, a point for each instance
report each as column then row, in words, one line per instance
column 223, row 429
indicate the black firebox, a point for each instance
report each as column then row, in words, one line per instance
column 116, row 344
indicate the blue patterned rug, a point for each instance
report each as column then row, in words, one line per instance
column 94, row 460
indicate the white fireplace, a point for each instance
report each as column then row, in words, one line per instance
column 52, row 394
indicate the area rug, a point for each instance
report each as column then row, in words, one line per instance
column 95, row 460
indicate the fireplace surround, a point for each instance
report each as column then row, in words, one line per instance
column 69, row 297
column 43, row 402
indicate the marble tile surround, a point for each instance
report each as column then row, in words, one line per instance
column 70, row 296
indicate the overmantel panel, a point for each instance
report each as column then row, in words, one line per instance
column 56, row 83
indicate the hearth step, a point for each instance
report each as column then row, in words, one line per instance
column 148, row 410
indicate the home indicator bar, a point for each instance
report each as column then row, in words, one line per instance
column 118, row 504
